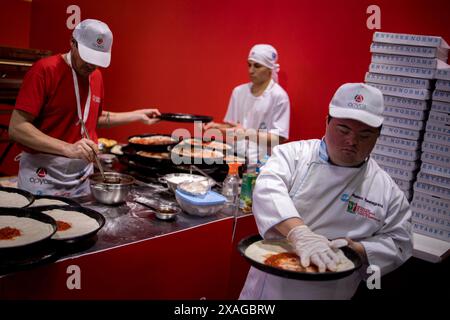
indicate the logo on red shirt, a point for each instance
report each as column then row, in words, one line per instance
column 359, row 98
column 41, row 172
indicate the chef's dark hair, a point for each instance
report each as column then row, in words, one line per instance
column 331, row 117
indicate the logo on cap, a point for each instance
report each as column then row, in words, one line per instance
column 274, row 55
column 359, row 98
column 41, row 172
column 99, row 41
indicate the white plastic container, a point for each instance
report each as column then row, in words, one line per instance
column 437, row 159
column 400, row 132
column 202, row 206
column 423, row 73
column 397, row 80
column 405, row 102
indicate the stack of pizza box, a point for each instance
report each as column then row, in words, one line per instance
column 403, row 67
column 431, row 203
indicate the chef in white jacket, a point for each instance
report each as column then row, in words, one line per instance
column 258, row 111
column 314, row 190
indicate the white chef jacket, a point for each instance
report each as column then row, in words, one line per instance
column 269, row 111
column 361, row 203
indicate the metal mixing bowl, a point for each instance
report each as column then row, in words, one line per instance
column 113, row 190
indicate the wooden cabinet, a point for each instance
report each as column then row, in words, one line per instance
column 14, row 63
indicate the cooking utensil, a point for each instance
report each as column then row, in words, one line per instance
column 184, row 117
column 99, row 165
column 316, row 276
column 112, row 191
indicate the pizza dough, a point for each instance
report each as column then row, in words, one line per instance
column 48, row 202
column 13, row 200
column 26, row 231
column 261, row 250
column 74, row 223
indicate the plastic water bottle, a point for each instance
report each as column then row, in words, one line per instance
column 230, row 187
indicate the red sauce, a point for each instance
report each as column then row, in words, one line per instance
column 63, row 226
column 288, row 261
column 8, row 233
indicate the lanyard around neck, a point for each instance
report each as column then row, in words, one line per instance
column 87, row 106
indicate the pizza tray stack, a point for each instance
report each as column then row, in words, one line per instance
column 403, row 68
column 431, row 203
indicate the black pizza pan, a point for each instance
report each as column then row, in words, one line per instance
column 26, row 213
column 70, row 202
column 184, row 117
column 88, row 212
column 24, row 193
column 152, row 147
column 314, row 276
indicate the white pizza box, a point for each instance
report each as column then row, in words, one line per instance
column 401, row 143
column 403, row 184
column 442, row 71
column 401, row 132
column 394, row 162
column 430, row 220
column 432, row 232
column 397, row 80
column 434, row 180
column 443, row 85
column 405, row 102
column 423, row 73
column 405, row 92
column 435, row 148
column 439, row 106
column 430, row 168
column 441, row 95
column 440, row 117
column 408, row 61
column 437, row 127
column 404, row 113
column 404, row 123
column 410, row 39
column 425, row 203
column 407, row 175
column 408, row 50
column 396, row 152
column 433, row 137
column 431, row 189
column 437, row 159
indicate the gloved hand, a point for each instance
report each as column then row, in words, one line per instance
column 315, row 248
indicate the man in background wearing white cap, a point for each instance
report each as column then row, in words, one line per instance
column 261, row 105
column 313, row 191
column 58, row 95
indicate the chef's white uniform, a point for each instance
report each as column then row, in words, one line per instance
column 361, row 203
column 269, row 111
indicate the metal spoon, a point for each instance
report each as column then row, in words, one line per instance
column 97, row 160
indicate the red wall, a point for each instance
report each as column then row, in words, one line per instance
column 186, row 56
column 15, row 18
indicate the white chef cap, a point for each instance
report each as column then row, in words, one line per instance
column 266, row 55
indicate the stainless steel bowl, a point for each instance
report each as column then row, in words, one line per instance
column 113, row 190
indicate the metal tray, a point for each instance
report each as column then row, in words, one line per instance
column 184, row 117
column 322, row 276
column 24, row 193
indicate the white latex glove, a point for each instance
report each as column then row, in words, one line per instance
column 315, row 248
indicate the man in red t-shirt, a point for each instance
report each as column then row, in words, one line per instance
column 57, row 94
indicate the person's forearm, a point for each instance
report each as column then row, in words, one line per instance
column 285, row 226
column 25, row 133
column 110, row 119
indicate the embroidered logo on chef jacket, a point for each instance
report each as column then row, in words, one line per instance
column 96, row 99
column 354, row 207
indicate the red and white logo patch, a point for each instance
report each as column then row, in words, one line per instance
column 359, row 98
column 99, row 41
column 41, row 172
